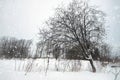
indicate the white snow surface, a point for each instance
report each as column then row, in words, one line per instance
column 67, row 70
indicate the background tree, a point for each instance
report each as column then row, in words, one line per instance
column 56, row 51
column 105, row 52
column 74, row 53
column 78, row 24
column 13, row 48
column 24, row 47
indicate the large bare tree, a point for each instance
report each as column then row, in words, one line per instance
column 78, row 24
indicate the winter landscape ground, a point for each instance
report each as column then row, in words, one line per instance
column 36, row 70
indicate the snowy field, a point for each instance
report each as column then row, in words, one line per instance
column 29, row 69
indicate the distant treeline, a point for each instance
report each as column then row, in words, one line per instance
column 14, row 48
column 11, row 47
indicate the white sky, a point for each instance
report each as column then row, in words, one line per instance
column 23, row 18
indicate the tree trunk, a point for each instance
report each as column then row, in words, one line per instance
column 92, row 65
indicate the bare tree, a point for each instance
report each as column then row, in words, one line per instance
column 74, row 53
column 78, row 24
column 56, row 51
column 105, row 52
column 13, row 48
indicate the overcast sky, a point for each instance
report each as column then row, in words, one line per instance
column 23, row 18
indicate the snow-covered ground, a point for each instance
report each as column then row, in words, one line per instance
column 67, row 70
